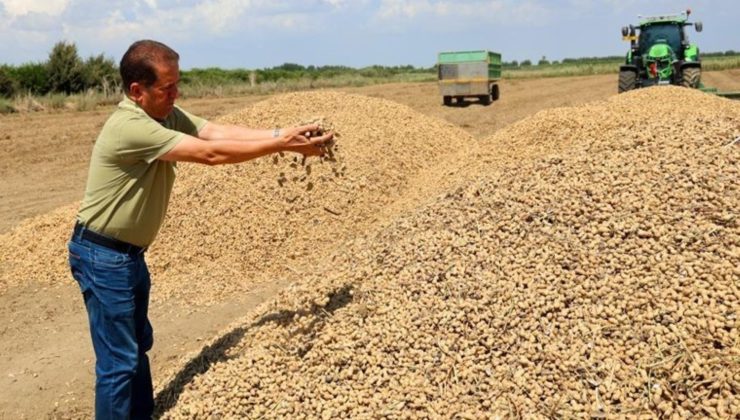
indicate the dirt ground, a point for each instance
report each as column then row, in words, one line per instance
column 46, row 362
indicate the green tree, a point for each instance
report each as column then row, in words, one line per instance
column 65, row 69
column 32, row 78
column 8, row 86
column 289, row 67
column 100, row 73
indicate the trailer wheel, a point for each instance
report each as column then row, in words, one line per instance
column 495, row 93
column 447, row 100
column 485, row 99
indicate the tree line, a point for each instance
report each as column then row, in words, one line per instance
column 63, row 72
column 596, row 60
column 292, row 71
column 66, row 72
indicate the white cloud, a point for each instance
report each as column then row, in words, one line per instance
column 389, row 9
column 226, row 16
column 36, row 22
column 620, row 6
column 115, row 26
column 188, row 20
column 221, row 14
column 335, row 3
column 23, row 7
column 473, row 10
column 402, row 8
column 96, row 21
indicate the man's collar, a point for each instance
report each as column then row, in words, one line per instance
column 128, row 103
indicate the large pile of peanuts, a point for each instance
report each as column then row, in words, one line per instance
column 581, row 262
column 586, row 265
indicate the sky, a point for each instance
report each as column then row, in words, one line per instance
column 252, row 34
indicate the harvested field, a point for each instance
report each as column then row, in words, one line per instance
column 589, row 269
column 578, row 262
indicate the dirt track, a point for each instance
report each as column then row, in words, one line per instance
column 45, row 343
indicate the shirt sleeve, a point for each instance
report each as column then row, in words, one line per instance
column 144, row 139
column 186, row 122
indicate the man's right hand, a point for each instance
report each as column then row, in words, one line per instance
column 299, row 140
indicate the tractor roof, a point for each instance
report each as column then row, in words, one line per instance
column 680, row 18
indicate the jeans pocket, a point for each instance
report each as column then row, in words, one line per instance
column 110, row 258
column 113, row 271
column 79, row 265
column 113, row 279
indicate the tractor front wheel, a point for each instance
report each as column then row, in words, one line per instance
column 691, row 77
column 627, row 80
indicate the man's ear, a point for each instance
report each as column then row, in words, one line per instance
column 135, row 91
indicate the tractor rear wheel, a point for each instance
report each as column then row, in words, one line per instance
column 691, row 77
column 627, row 80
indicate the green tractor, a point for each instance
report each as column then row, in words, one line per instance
column 660, row 53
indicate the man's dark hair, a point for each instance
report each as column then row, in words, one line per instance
column 137, row 64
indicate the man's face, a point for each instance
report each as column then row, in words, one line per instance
column 158, row 100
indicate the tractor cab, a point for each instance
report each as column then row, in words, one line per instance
column 670, row 34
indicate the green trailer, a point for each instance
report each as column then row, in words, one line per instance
column 469, row 74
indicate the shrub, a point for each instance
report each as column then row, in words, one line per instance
column 6, row 106
column 100, row 73
column 32, row 78
column 56, row 101
column 8, row 86
column 66, row 70
column 87, row 100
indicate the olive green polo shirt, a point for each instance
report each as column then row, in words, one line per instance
column 128, row 187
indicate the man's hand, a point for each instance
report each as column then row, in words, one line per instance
column 306, row 140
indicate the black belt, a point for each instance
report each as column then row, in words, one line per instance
column 107, row 241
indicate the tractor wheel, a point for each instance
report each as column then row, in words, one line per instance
column 627, row 80
column 494, row 93
column 691, row 77
column 447, row 100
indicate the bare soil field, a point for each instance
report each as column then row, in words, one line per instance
column 47, row 367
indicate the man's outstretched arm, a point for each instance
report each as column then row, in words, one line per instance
column 221, row 151
column 215, row 131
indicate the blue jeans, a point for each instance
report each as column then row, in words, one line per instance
column 115, row 287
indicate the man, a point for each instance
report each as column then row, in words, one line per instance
column 131, row 174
